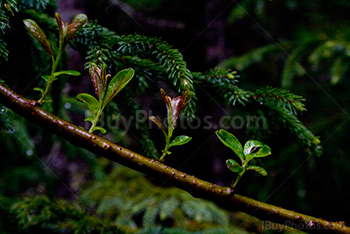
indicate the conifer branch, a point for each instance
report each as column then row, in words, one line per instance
column 105, row 46
column 7, row 8
column 152, row 57
column 279, row 105
column 223, row 196
column 280, row 97
column 223, row 83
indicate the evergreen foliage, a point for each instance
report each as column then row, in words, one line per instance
column 7, row 8
column 136, row 202
column 311, row 50
column 39, row 214
column 254, row 56
column 160, row 230
column 103, row 46
column 144, row 52
column 138, row 130
column 36, row 4
column 33, row 8
column 13, row 135
column 278, row 106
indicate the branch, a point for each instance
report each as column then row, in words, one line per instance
column 223, row 196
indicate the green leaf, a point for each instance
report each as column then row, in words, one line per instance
column 104, row 131
column 259, row 170
column 45, row 77
column 233, row 165
column 180, row 140
column 91, row 101
column 88, row 99
column 159, row 124
column 39, row 89
column 119, row 81
column 90, row 119
column 67, row 72
column 34, row 29
column 263, row 152
column 231, row 141
column 251, row 145
column 338, row 70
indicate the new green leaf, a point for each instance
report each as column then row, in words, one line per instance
column 119, row 81
column 38, row 89
column 180, row 140
column 259, row 170
column 45, row 77
column 251, row 145
column 104, row 131
column 262, row 152
column 90, row 119
column 67, row 72
column 174, row 107
column 252, row 149
column 231, row 141
column 233, row 165
column 91, row 101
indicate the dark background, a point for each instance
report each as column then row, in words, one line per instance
column 203, row 32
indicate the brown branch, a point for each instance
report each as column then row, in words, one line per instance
column 223, row 196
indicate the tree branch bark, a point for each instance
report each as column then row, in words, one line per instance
column 223, row 196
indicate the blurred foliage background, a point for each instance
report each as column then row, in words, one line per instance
column 49, row 186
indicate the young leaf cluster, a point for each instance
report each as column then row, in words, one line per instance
column 252, row 149
column 104, row 90
column 66, row 32
column 99, row 44
column 174, row 107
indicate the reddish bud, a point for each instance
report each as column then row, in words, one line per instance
column 78, row 21
column 34, row 29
